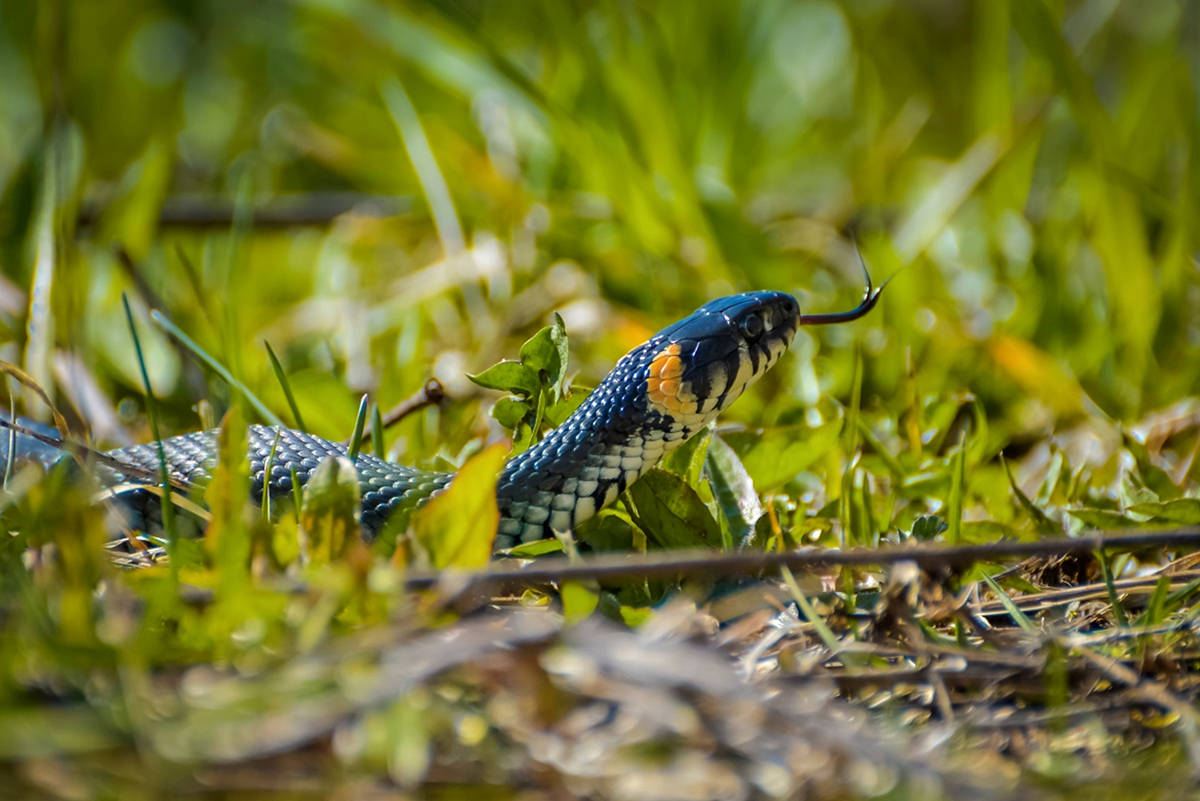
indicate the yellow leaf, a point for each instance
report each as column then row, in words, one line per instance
column 458, row 527
column 579, row 600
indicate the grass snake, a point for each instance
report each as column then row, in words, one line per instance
column 657, row 396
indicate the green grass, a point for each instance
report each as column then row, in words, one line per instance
column 387, row 192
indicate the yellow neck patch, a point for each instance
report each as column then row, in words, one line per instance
column 666, row 390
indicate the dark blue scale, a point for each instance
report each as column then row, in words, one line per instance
column 192, row 458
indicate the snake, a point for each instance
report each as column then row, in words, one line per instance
column 656, row 397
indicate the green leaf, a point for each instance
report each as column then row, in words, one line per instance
column 687, row 461
column 458, row 527
column 509, row 376
column 1102, row 518
column 609, row 530
column 511, row 412
column 1152, row 476
column 557, row 413
column 329, row 519
column 536, row 548
column 773, row 456
column 671, row 513
column 579, row 600
column 926, row 527
column 734, row 491
column 634, row 616
column 1184, row 511
column 546, row 353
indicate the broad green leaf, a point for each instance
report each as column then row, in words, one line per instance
column 671, row 513
column 329, row 521
column 734, row 491
column 511, row 412
column 1102, row 518
column 634, row 616
column 457, row 528
column 773, row 456
column 687, row 461
column 579, row 600
column 509, row 376
column 536, row 548
column 610, row 530
column 1184, row 511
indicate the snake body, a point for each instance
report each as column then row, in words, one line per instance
column 656, row 397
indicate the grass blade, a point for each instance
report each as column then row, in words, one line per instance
column 268, row 466
column 1013, row 610
column 958, row 475
column 806, row 608
column 1113, row 599
column 168, row 506
column 378, row 443
column 39, row 327
column 165, row 323
column 359, row 424
column 433, row 183
column 11, row 458
column 287, row 388
column 297, row 491
column 850, row 446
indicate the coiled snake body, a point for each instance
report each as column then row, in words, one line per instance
column 656, row 397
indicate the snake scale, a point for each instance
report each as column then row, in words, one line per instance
column 655, row 398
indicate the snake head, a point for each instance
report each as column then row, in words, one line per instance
column 704, row 362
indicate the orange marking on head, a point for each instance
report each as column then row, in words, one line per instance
column 666, row 362
column 665, row 387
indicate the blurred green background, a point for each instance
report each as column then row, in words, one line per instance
column 388, row 190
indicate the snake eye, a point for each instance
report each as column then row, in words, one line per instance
column 751, row 326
